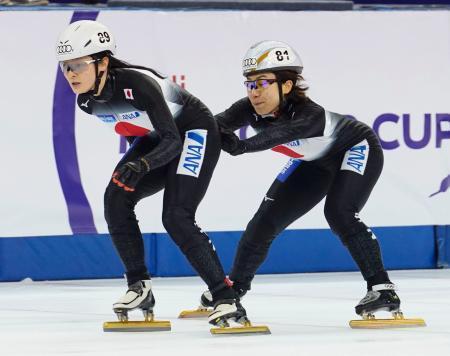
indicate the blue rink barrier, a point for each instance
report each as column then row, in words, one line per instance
column 294, row 251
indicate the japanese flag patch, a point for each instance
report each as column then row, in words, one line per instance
column 128, row 94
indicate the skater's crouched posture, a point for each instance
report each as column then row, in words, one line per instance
column 332, row 156
column 175, row 145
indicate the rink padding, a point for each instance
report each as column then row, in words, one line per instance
column 93, row 256
column 296, row 251
column 443, row 246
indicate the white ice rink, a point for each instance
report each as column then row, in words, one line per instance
column 308, row 314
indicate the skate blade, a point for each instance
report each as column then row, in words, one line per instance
column 133, row 326
column 386, row 323
column 197, row 313
column 241, row 330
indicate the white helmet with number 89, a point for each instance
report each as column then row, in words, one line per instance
column 84, row 38
column 271, row 56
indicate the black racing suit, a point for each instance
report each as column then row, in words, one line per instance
column 332, row 156
column 179, row 138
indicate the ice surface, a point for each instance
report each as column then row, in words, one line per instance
column 308, row 314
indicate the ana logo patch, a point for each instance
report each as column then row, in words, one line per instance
column 129, row 115
column 193, row 153
column 355, row 158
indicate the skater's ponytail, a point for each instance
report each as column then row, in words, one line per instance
column 118, row 63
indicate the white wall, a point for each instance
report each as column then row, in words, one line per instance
column 359, row 63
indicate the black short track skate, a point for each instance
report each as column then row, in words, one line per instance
column 382, row 297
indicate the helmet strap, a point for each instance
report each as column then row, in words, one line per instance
column 98, row 78
column 280, row 94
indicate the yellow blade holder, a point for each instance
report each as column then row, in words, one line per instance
column 134, row 326
column 386, row 323
column 197, row 313
column 246, row 329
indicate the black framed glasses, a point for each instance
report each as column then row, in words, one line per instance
column 259, row 84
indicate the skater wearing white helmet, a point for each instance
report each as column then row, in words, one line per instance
column 175, row 145
column 331, row 156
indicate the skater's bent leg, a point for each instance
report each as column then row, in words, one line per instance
column 358, row 239
column 185, row 190
column 119, row 211
column 287, row 200
column 346, row 198
column 124, row 230
column 253, row 249
column 195, row 245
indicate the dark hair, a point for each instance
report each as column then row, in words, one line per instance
column 117, row 63
column 298, row 92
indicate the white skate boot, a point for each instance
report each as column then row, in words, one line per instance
column 138, row 296
column 206, row 305
column 231, row 310
column 203, row 310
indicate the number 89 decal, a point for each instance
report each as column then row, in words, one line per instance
column 283, row 55
column 103, row 37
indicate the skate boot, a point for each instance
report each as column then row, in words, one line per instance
column 138, row 296
column 224, row 310
column 228, row 311
column 206, row 299
column 382, row 297
column 207, row 303
column 203, row 310
column 379, row 297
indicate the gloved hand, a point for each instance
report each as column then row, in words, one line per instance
column 231, row 143
column 128, row 175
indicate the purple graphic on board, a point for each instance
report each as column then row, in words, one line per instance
column 445, row 184
column 81, row 219
column 435, row 129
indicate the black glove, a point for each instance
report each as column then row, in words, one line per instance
column 128, row 175
column 231, row 143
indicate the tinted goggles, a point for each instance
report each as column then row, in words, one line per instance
column 259, row 84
